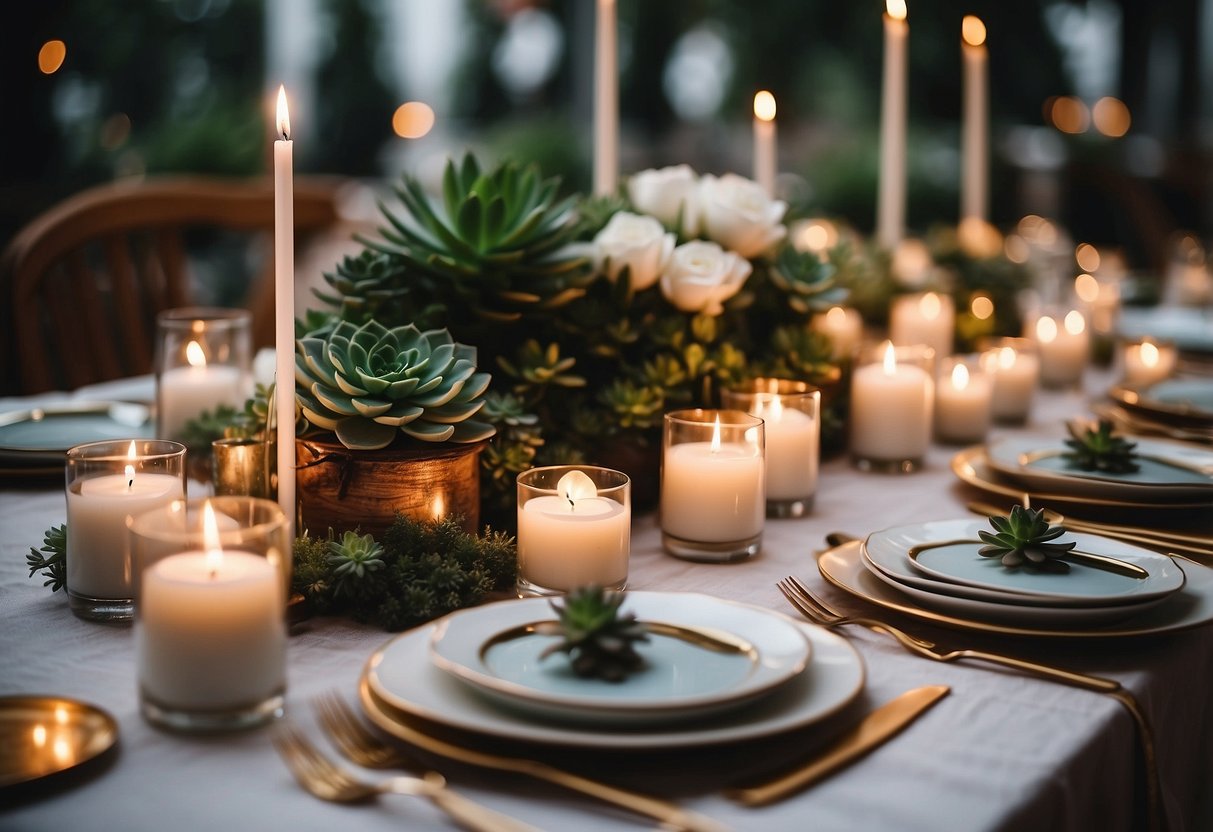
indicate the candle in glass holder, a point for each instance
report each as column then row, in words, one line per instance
column 891, row 403
column 203, row 362
column 1147, row 361
column 1014, row 371
column 574, row 529
column 962, row 402
column 766, row 156
column 928, row 318
column 790, row 413
column 844, row 328
column 1064, row 346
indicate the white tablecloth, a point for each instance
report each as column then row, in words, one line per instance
column 1003, row 751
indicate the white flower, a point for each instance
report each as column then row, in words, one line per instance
column 737, row 213
column 640, row 243
column 664, row 193
column 701, row 276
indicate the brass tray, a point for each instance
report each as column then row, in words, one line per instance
column 45, row 735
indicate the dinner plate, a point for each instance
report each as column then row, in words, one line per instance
column 494, row 649
column 1190, row 607
column 1083, row 584
column 45, row 735
column 1190, row 328
column 401, row 675
column 1166, row 470
column 1181, row 401
column 46, row 433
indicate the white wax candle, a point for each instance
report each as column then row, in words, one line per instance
column 1148, row 362
column 962, row 406
column 1063, row 347
column 97, row 508
column 844, row 328
column 1014, row 375
column 974, row 198
column 929, row 318
column 185, row 392
column 211, row 637
column 793, row 440
column 606, row 101
column 712, row 495
column 284, row 311
column 564, row 545
column 890, row 410
column 766, row 156
column 891, row 197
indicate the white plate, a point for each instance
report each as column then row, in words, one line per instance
column 1038, row 464
column 1191, row 607
column 1193, row 396
column 1191, row 328
column 401, row 675
column 1082, row 585
column 488, row 647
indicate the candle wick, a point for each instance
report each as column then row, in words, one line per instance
column 130, row 483
column 572, row 504
column 214, row 573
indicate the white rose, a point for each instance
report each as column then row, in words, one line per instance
column 664, row 193
column 737, row 213
column 701, row 276
column 640, row 243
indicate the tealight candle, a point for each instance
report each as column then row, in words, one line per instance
column 574, row 529
column 790, row 413
column 203, row 363
column 107, row 482
column 891, row 404
column 1014, row 371
column 1064, row 346
column 962, row 402
column 928, row 318
column 844, row 328
column 1147, row 361
column 211, row 624
column 713, row 500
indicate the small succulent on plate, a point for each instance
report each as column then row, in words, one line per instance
column 1097, row 449
column 1023, row 538
column 599, row 641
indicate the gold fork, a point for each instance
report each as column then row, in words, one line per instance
column 819, row 612
column 328, row 781
column 354, row 739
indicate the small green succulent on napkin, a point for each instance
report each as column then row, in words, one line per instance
column 599, row 641
column 1023, row 538
column 1096, row 449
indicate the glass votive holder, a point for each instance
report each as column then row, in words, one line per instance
column 210, row 613
column 1063, row 345
column 107, row 482
column 203, row 361
column 713, row 493
column 892, row 398
column 1014, row 371
column 244, row 467
column 791, row 415
column 1146, row 361
column 844, row 329
column 928, row 318
column 574, row 529
column 963, row 399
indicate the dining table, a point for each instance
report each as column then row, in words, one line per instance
column 1003, row 750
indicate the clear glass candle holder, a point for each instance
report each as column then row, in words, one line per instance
column 1063, row 343
column 210, row 612
column 892, row 402
column 107, row 482
column 963, row 400
column 1147, row 360
column 713, row 484
column 1014, row 370
column 574, row 529
column 791, row 415
column 203, row 360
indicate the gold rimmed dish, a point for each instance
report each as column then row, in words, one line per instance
column 42, row 736
column 1186, row 401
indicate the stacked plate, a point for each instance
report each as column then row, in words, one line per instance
column 714, row 672
column 1184, row 404
column 34, row 440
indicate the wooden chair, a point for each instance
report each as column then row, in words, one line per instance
column 82, row 284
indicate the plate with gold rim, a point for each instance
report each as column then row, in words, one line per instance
column 1190, row 607
column 44, row 735
column 1187, row 401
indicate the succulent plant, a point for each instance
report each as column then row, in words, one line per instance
column 496, row 244
column 537, row 366
column 599, row 641
column 353, row 556
column 1022, row 538
column 369, row 383
column 1096, row 449
column 633, row 405
column 808, row 283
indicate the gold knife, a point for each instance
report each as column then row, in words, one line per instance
column 881, row 724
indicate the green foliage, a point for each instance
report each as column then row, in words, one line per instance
column 352, row 557
column 598, row 640
column 1022, row 538
column 1098, row 449
column 51, row 559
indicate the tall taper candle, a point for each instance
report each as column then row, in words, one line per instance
column 606, row 101
column 891, row 198
column 284, row 307
column 974, row 199
column 766, row 155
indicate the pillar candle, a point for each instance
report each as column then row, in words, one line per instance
column 962, row 404
column 712, row 494
column 766, row 154
column 186, row 391
column 928, row 318
column 891, row 404
column 1147, row 361
column 891, row 197
column 844, row 328
column 1014, row 374
column 1064, row 347
column 284, row 307
column 606, row 101
column 793, row 442
column 974, row 198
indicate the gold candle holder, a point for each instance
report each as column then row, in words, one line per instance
column 245, row 468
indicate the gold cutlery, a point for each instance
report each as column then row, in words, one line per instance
column 329, row 781
column 670, row 815
column 877, row 727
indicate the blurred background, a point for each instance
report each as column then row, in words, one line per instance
column 1102, row 111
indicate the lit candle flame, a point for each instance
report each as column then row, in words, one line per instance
column 210, row 539
column 960, row 377
column 1075, row 323
column 1087, row 288
column 896, row 9
column 1006, row 357
column 982, row 307
column 284, row 116
column 973, row 30
column 764, row 106
column 837, row 316
column 1046, row 330
column 1149, row 354
column 890, row 359
column 574, row 486
column 930, row 306
column 130, row 466
column 194, row 354
column 715, row 446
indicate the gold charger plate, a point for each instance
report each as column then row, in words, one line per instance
column 1190, row 607
column 1137, row 398
column 45, row 735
